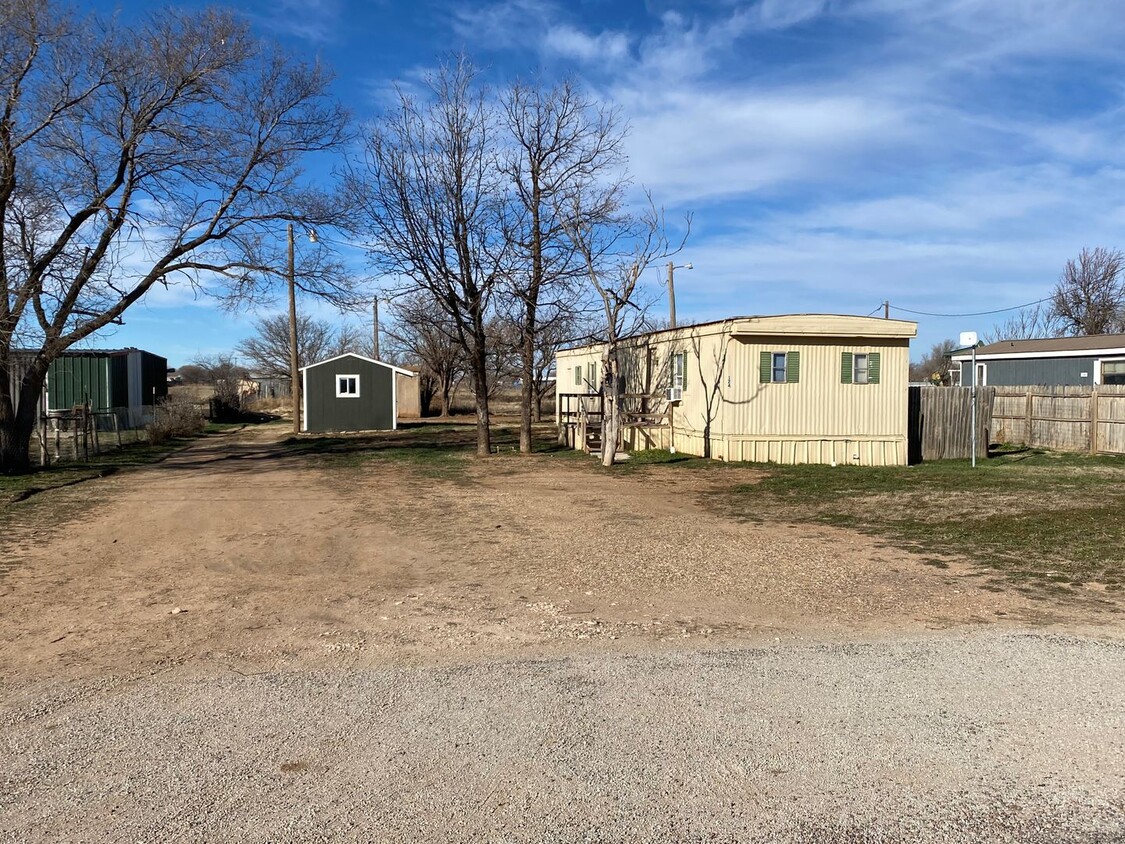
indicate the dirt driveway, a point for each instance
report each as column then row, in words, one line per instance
column 232, row 560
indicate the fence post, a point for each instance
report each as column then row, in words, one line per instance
column 44, row 458
column 1094, row 421
column 117, row 428
column 1030, row 408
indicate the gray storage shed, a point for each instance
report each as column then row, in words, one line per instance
column 350, row 393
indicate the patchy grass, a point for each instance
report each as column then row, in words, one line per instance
column 1031, row 516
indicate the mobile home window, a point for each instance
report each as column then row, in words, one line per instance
column 859, row 369
column 347, row 386
column 780, row 367
column 592, row 377
column 578, row 376
column 679, row 370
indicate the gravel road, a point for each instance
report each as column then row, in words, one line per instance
column 951, row 737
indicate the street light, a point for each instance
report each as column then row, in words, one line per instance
column 672, row 289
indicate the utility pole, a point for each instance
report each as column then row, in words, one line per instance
column 886, row 309
column 672, row 291
column 375, row 324
column 671, row 295
column 294, row 374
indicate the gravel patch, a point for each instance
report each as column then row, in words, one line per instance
column 950, row 737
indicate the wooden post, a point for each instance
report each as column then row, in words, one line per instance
column 117, row 426
column 1030, row 408
column 94, row 428
column 74, row 433
column 1094, row 421
column 44, row 459
column 58, row 443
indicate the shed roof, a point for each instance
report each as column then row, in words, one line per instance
column 360, row 357
column 1048, row 347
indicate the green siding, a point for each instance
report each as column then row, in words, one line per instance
column 74, row 380
column 373, row 410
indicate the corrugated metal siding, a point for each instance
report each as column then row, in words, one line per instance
column 372, row 411
column 1063, row 372
column 76, row 379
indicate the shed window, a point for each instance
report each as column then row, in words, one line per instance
column 347, row 386
column 779, row 367
column 1113, row 372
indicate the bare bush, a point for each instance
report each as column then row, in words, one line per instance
column 176, row 416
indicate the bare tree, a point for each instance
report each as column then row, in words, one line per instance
column 267, row 352
column 617, row 249
column 1027, row 324
column 228, row 379
column 934, row 367
column 1090, row 296
column 711, row 381
column 429, row 196
column 132, row 156
column 562, row 146
column 424, row 336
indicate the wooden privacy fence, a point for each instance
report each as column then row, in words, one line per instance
column 938, row 423
column 1087, row 419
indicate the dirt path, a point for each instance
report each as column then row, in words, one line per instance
column 370, row 652
column 275, row 563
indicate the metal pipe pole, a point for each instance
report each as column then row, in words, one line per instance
column 294, row 374
column 375, row 315
column 671, row 296
column 973, row 410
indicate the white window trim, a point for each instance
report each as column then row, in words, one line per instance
column 773, row 368
column 983, row 367
column 1098, row 374
column 866, row 370
column 679, row 367
column 341, row 395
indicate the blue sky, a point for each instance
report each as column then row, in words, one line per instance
column 947, row 155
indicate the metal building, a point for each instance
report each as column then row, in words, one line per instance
column 129, row 382
column 1055, row 361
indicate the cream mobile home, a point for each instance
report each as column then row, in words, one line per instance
column 798, row 388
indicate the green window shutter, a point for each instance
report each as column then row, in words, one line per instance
column 683, row 380
column 846, row 368
column 792, row 367
column 765, row 364
column 873, row 368
column 578, row 376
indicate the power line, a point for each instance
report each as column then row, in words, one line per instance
column 877, row 307
column 978, row 313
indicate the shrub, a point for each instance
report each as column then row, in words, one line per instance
column 176, row 416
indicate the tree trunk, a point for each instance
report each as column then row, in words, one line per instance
column 527, row 393
column 16, row 428
column 480, row 389
column 611, row 407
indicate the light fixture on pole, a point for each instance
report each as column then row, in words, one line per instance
column 969, row 338
column 672, row 289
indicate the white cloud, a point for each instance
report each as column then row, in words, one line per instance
column 568, row 42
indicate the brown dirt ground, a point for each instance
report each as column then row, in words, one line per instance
column 276, row 563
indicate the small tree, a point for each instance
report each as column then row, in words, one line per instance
column 617, row 249
column 421, row 333
column 1090, row 296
